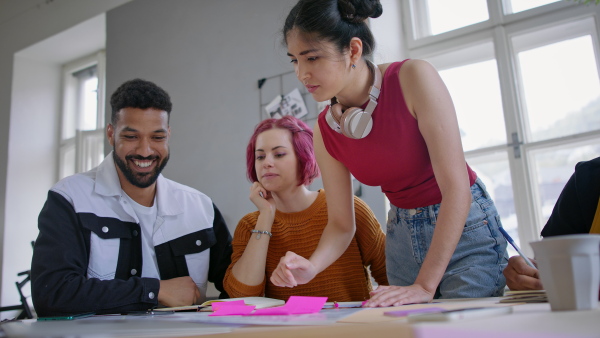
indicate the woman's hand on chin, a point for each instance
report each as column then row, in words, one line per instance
column 262, row 198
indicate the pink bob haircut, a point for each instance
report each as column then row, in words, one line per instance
column 302, row 140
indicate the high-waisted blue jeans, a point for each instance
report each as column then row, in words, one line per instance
column 475, row 269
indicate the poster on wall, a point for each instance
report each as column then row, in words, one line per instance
column 289, row 104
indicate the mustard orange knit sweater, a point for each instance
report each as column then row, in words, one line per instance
column 347, row 279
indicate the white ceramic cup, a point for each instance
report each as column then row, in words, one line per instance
column 569, row 269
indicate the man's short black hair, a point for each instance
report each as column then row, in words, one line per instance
column 138, row 93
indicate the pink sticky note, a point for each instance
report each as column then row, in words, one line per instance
column 300, row 304
column 295, row 305
column 217, row 305
column 233, row 310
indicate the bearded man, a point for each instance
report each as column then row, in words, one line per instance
column 122, row 237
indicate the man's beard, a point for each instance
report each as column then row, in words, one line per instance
column 140, row 180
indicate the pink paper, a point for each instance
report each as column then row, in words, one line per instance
column 217, row 305
column 295, row 305
column 233, row 310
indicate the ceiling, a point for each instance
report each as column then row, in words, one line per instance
column 78, row 41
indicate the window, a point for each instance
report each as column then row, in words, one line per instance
column 516, row 6
column 441, row 16
column 82, row 128
column 524, row 78
column 559, row 80
column 471, row 75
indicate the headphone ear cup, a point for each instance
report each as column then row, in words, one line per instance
column 350, row 121
column 345, row 120
column 331, row 117
column 336, row 112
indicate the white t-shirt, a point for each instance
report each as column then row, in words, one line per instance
column 147, row 217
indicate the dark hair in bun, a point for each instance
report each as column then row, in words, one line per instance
column 358, row 11
column 336, row 21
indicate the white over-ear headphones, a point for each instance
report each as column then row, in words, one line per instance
column 354, row 122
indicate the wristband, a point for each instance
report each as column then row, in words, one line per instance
column 260, row 232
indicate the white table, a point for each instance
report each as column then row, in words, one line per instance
column 527, row 320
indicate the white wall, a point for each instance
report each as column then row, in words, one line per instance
column 31, row 153
column 388, row 31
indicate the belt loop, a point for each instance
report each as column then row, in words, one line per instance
column 432, row 215
column 483, row 188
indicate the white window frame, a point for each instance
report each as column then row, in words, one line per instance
column 499, row 30
column 87, row 143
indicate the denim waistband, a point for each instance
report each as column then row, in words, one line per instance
column 430, row 211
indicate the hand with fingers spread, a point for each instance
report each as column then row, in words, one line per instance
column 520, row 276
column 398, row 295
column 293, row 270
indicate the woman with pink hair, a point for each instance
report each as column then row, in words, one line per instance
column 281, row 164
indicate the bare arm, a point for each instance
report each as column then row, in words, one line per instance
column 429, row 101
column 341, row 225
column 251, row 266
column 439, row 126
column 337, row 235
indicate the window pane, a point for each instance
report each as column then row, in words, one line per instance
column 494, row 172
column 475, row 91
column 87, row 99
column 89, row 106
column 444, row 15
column 561, row 88
column 69, row 117
column 523, row 5
column 91, row 144
column 553, row 168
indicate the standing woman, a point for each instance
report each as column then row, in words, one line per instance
column 442, row 232
column 281, row 162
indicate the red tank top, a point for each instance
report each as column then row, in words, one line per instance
column 394, row 155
